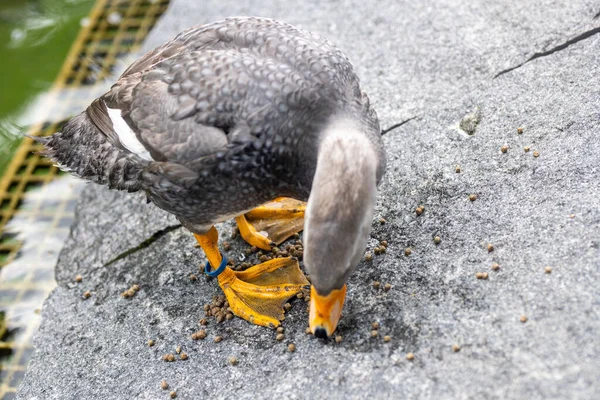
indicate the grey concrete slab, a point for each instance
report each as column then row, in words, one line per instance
column 435, row 61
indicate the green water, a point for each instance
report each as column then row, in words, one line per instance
column 35, row 37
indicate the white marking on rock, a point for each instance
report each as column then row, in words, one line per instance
column 126, row 135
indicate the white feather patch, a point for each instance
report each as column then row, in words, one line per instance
column 126, row 135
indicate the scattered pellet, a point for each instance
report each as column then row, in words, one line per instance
column 291, row 347
column 87, row 294
column 150, row 343
column 387, row 338
column 193, row 277
column 300, row 295
column 229, row 316
column 571, row 216
column 495, row 267
column 308, row 331
column 164, row 385
column 203, row 321
column 173, row 394
column 387, row 287
column 169, row 357
column 548, row 270
column 374, row 333
column 201, row 334
column 519, row 130
column 376, row 285
column 280, row 329
column 218, row 339
column 410, row 356
column 287, row 307
column 504, row 149
column 457, row 169
column 407, row 251
column 382, row 221
column 375, row 325
column 226, row 246
column 178, row 349
column 78, row 278
column 437, row 240
column 479, row 275
column 280, row 337
column 233, row 360
column 419, row 210
column 485, row 275
column 338, row 339
column 455, row 348
column 472, row 197
column 526, row 149
column 490, row 247
column 183, row 356
column 384, row 243
column 135, row 287
column 523, row 318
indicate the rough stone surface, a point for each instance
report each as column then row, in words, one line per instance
column 435, row 61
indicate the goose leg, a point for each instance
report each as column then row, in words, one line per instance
column 258, row 293
column 272, row 223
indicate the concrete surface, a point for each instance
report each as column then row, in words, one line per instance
column 435, row 61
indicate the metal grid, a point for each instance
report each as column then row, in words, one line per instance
column 32, row 201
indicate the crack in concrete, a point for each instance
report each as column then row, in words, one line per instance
column 553, row 50
column 391, row 128
column 144, row 244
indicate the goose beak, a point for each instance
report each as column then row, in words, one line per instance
column 325, row 311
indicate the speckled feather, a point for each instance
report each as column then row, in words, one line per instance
column 231, row 112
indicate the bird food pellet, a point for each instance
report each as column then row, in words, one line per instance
column 455, row 348
column 374, row 333
column 387, row 287
column 519, row 130
column 178, row 349
column 490, row 247
column 495, row 267
column 169, row 357
column 218, row 339
column 368, row 257
column 308, row 331
column 457, row 169
column 291, row 347
column 164, row 385
column 387, row 338
column 78, row 278
column 376, row 285
column 382, row 221
column 384, row 243
column 472, row 197
column 526, row 149
column 407, row 251
column 287, row 306
column 410, row 356
column 150, row 343
column 280, row 337
column 183, row 356
column 233, row 360
column 479, row 275
column 280, row 329
column 173, row 394
column 193, row 277
column 523, row 318
column 419, row 210
column 437, row 240
column 536, row 154
column 504, row 149
column 87, row 294
column 338, row 339
column 203, row 321
column 375, row 325
column 548, row 270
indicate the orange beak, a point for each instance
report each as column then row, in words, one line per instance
column 325, row 311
